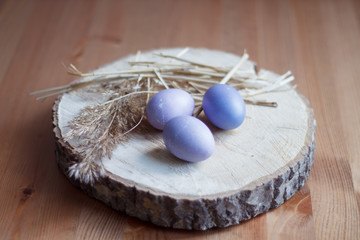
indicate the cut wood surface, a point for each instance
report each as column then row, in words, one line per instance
column 255, row 167
column 317, row 40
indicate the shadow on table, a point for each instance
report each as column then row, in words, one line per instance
column 45, row 193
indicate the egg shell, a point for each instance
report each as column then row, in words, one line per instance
column 224, row 106
column 189, row 139
column 167, row 104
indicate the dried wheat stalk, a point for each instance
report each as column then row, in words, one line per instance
column 99, row 128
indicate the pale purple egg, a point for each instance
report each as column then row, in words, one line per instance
column 224, row 106
column 167, row 104
column 188, row 138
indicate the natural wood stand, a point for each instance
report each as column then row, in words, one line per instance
column 254, row 168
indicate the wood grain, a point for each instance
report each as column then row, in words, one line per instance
column 254, row 168
column 317, row 40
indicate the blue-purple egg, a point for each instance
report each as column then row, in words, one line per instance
column 167, row 104
column 188, row 138
column 224, row 106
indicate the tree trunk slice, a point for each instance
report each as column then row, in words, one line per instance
column 254, row 168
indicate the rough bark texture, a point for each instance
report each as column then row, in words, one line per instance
column 199, row 214
column 217, row 208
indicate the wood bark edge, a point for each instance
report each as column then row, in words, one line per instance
column 203, row 213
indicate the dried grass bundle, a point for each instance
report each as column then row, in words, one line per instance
column 98, row 129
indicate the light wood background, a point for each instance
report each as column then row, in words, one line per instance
column 318, row 40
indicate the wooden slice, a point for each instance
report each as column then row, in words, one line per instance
column 254, row 168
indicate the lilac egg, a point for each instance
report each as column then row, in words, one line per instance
column 188, row 138
column 168, row 104
column 224, row 106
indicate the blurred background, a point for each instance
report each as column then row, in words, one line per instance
column 318, row 40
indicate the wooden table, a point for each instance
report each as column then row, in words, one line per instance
column 318, row 40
